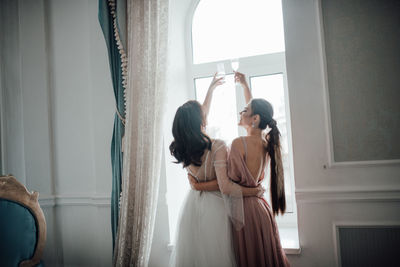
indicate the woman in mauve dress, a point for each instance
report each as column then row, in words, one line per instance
column 257, row 243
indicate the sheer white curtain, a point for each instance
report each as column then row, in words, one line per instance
column 147, row 52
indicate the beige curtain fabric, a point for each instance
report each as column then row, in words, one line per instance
column 147, row 55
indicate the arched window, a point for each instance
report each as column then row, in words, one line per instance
column 252, row 32
column 225, row 29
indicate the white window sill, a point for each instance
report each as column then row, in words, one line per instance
column 289, row 240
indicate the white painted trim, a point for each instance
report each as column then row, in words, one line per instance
column 47, row 202
column 50, row 92
column 321, row 195
column 292, row 251
column 337, row 224
column 366, row 223
column 325, row 89
column 336, row 244
column 75, row 200
column 2, row 124
column 20, row 74
column 188, row 46
column 288, row 251
column 366, row 163
column 328, row 120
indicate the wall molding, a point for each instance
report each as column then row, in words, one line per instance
column 75, row 200
column 338, row 224
column 327, row 110
column 315, row 195
column 365, row 163
column 324, row 195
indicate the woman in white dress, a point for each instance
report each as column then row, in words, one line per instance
column 204, row 230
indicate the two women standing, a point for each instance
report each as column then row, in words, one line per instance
column 205, row 236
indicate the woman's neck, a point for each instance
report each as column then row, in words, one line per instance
column 253, row 131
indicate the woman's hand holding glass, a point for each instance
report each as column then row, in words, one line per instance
column 217, row 81
column 241, row 79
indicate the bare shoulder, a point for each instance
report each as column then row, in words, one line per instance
column 238, row 144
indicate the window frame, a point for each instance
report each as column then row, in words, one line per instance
column 252, row 66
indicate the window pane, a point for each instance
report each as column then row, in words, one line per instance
column 271, row 88
column 222, row 119
column 224, row 29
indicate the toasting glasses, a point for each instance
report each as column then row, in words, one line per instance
column 235, row 65
column 220, row 70
column 221, row 67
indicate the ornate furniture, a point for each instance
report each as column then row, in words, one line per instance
column 22, row 225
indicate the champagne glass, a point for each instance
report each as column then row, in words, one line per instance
column 220, row 70
column 235, row 65
column 220, row 74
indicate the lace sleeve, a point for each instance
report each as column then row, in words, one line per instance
column 226, row 186
column 231, row 192
column 234, row 165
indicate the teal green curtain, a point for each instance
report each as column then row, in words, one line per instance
column 106, row 22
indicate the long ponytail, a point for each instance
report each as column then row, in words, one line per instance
column 273, row 147
column 277, row 186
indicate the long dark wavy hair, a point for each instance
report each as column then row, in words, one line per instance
column 273, row 147
column 189, row 141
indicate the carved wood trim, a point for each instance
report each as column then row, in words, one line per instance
column 13, row 190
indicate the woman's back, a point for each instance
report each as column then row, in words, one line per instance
column 252, row 150
column 206, row 172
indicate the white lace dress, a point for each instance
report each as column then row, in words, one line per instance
column 204, row 233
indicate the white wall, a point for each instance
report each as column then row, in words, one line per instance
column 58, row 111
column 12, row 92
column 349, row 193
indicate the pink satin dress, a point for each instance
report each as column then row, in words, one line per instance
column 257, row 244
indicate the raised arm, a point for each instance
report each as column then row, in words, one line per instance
column 241, row 78
column 207, row 101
